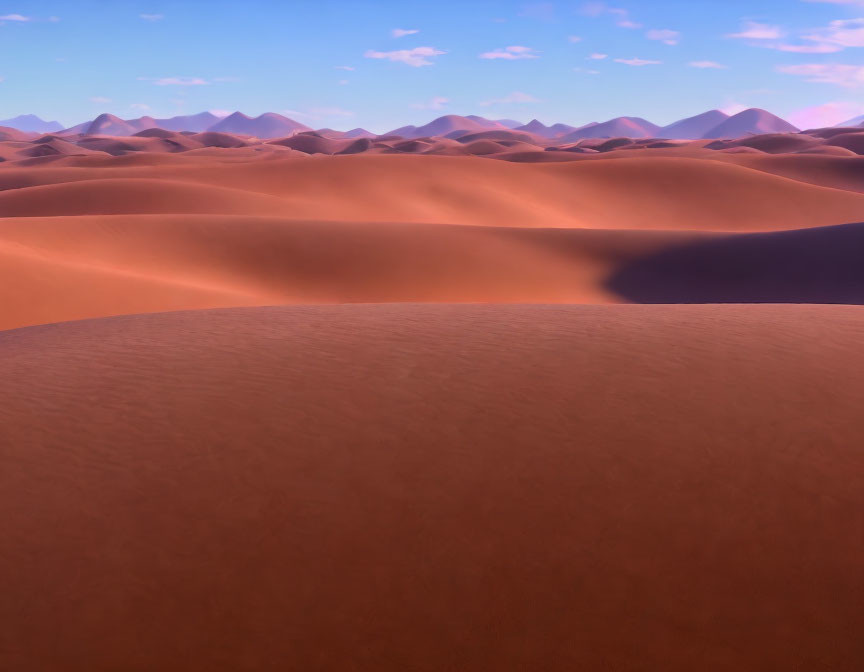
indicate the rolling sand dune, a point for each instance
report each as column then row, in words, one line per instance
column 407, row 487
column 154, row 232
column 158, row 262
column 622, row 194
column 131, row 196
column 467, row 468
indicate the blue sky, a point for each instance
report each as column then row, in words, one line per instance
column 381, row 64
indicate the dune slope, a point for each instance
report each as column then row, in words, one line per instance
column 434, row 487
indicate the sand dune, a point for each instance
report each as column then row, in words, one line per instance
column 55, row 266
column 162, row 262
column 622, row 194
column 131, row 196
column 86, row 237
column 468, row 466
column 407, row 487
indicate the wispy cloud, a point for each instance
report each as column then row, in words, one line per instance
column 848, row 76
column 152, row 17
column 638, row 62
column 139, row 106
column 220, row 113
column 827, row 114
column 751, row 30
column 734, row 108
column 707, row 65
column 574, row 38
column 402, row 32
column 622, row 16
column 514, row 97
column 841, row 34
column 15, row 17
column 597, row 57
column 175, row 81
column 670, row 37
column 836, row 36
column 350, row 68
column 805, row 48
column 436, row 103
column 100, row 100
column 513, row 53
column 416, row 57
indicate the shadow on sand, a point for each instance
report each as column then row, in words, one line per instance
column 820, row 265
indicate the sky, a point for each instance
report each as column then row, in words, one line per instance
column 380, row 64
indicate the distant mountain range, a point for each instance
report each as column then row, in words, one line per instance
column 31, row 124
column 714, row 124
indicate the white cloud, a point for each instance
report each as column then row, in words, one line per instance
column 175, row 81
column 623, row 19
column 416, row 57
column 514, row 53
column 849, row 76
column 827, row 114
column 350, row 68
column 139, row 106
column 515, row 97
column 152, row 17
column 436, row 103
column 402, row 32
column 752, row 30
column 15, row 17
column 707, row 65
column 836, row 36
column 638, row 62
column 805, row 48
column 587, row 71
column 841, row 34
column 342, row 82
column 597, row 57
column 100, row 100
column 665, row 36
column 574, row 38
column 734, row 108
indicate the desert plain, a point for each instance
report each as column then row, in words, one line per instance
column 495, row 403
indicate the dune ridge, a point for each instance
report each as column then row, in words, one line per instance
column 558, row 476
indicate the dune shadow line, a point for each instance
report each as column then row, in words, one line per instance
column 819, row 265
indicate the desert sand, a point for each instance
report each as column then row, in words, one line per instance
column 264, row 408
column 435, row 487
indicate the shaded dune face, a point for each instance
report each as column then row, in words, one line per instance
column 822, row 265
column 434, row 487
column 94, row 237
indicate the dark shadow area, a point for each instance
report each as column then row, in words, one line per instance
column 821, row 265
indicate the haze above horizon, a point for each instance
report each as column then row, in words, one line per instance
column 381, row 65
